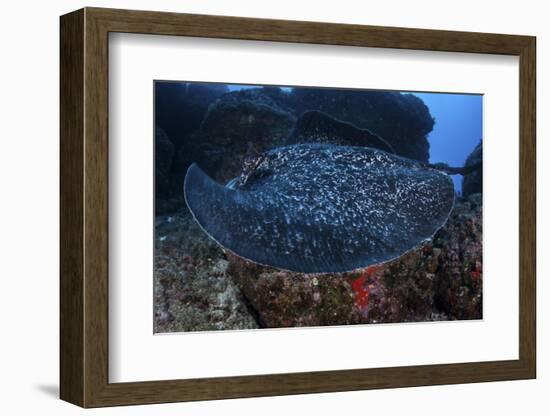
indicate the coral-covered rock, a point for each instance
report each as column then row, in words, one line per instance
column 458, row 286
column 192, row 289
column 288, row 299
column 473, row 182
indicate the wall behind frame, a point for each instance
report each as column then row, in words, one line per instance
column 29, row 210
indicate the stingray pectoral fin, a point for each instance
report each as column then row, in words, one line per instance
column 220, row 211
column 249, row 224
column 207, row 201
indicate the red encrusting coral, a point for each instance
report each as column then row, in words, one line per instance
column 362, row 287
column 476, row 273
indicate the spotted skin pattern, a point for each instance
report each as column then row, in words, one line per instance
column 318, row 208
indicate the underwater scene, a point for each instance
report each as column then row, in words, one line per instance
column 287, row 206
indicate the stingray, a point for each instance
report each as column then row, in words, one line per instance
column 322, row 208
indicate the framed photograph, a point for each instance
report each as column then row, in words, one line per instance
column 255, row 207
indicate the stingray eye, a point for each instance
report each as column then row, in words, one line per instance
column 253, row 169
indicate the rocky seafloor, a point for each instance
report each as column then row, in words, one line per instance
column 200, row 287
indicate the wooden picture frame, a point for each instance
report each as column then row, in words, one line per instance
column 84, row 207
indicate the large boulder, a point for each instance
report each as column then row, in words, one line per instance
column 288, row 299
column 473, row 182
column 240, row 124
column 403, row 120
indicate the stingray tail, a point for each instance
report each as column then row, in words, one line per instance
column 450, row 170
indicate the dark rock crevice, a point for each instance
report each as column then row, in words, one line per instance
column 472, row 182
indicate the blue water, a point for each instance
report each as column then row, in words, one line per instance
column 236, row 87
column 457, row 130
